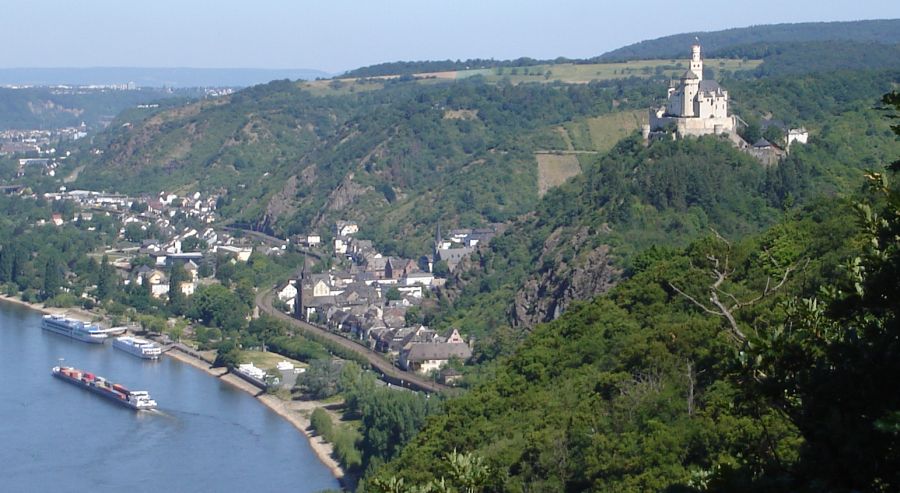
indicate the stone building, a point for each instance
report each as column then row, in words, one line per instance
column 694, row 107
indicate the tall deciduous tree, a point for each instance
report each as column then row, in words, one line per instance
column 177, row 299
column 106, row 280
column 833, row 366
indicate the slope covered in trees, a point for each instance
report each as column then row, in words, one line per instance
column 759, row 364
column 396, row 159
column 876, row 31
column 585, row 235
column 644, row 389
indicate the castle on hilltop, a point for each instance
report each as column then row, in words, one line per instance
column 696, row 107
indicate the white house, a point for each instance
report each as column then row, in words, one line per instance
column 340, row 246
column 288, row 292
column 432, row 356
column 240, row 254
column 800, row 135
column 418, row 278
column 345, row 228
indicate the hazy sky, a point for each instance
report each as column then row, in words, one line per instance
column 336, row 35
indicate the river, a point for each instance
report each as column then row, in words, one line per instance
column 205, row 436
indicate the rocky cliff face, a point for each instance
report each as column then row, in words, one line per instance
column 568, row 278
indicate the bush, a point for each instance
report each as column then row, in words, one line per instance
column 321, row 423
column 344, row 442
column 63, row 300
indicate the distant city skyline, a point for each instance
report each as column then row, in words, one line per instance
column 344, row 34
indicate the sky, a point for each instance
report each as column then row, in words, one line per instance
column 338, row 35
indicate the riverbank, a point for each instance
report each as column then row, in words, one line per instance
column 294, row 412
column 76, row 313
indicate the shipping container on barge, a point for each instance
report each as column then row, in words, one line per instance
column 135, row 399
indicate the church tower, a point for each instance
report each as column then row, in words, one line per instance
column 696, row 61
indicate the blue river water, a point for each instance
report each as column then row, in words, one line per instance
column 205, row 436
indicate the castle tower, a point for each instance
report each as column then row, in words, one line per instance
column 690, row 86
column 696, row 61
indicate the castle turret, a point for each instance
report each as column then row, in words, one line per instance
column 690, row 86
column 696, row 61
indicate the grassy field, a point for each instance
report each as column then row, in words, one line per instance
column 606, row 130
column 555, row 169
column 267, row 361
column 599, row 134
column 564, row 72
column 581, row 74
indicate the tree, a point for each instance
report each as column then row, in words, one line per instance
column 832, row 365
column 228, row 355
column 106, row 280
column 322, row 379
column 178, row 302
column 7, row 258
column 752, row 132
column 393, row 294
column 53, row 276
column 441, row 269
column 217, row 306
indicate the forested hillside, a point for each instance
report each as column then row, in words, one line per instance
column 646, row 389
column 585, row 235
column 753, row 365
column 397, row 159
column 875, row 31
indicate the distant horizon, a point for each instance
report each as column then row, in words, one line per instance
column 386, row 61
column 343, row 35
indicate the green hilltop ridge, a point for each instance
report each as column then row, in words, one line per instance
column 882, row 31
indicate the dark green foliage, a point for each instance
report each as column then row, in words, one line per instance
column 390, row 418
column 633, row 391
column 782, row 59
column 829, row 364
column 178, row 301
column 321, row 379
column 53, row 278
column 297, row 348
column 321, row 422
column 877, row 31
column 228, row 354
column 217, row 306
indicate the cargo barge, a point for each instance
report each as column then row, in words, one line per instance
column 134, row 399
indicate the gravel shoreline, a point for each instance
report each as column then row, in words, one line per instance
column 294, row 412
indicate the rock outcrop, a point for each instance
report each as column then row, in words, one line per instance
column 583, row 276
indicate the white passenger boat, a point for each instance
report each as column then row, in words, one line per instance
column 76, row 329
column 141, row 348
